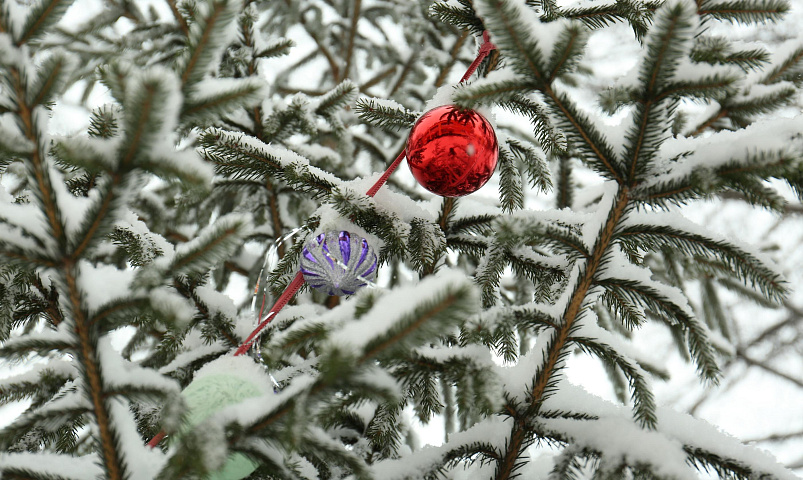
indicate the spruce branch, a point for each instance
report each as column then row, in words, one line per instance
column 511, row 194
column 213, row 244
column 746, row 266
column 629, row 313
column 667, row 43
column 556, row 350
column 241, row 157
column 364, row 212
column 489, row 90
column 600, row 16
column 213, row 98
column 477, row 224
column 535, row 165
column 345, row 354
column 26, row 466
column 426, row 244
column 789, row 70
column 663, row 306
column 706, row 461
column 718, row 51
column 566, row 53
column 643, row 400
column 550, row 139
column 42, row 15
column 744, row 11
column 37, row 163
column 383, row 115
column 50, row 80
column 511, row 35
column 208, row 36
column 150, row 103
column 49, row 379
column 462, row 16
column 276, row 48
column 41, row 418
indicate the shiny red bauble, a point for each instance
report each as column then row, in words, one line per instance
column 452, row 152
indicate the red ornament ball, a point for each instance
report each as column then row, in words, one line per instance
column 451, row 151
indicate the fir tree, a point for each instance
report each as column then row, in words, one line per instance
column 234, row 131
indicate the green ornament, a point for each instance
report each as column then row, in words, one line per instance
column 211, row 392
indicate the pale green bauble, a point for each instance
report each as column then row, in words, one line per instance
column 226, row 382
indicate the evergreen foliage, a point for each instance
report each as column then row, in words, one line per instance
column 218, row 150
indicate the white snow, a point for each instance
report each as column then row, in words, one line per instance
column 102, row 283
column 286, row 158
column 59, row 367
column 493, row 431
column 722, row 148
column 393, row 307
column 144, row 462
column 119, row 373
column 234, row 224
column 59, row 466
column 185, row 358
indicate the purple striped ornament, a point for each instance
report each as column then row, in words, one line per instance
column 338, row 263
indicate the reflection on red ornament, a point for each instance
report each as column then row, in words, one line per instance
column 452, row 152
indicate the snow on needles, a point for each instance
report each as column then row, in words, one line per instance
column 58, row 466
column 119, row 373
column 543, row 34
column 664, row 449
column 492, row 431
column 100, row 284
column 390, row 309
column 724, row 147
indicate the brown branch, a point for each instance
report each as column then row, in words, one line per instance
column 789, row 321
column 275, row 216
column 41, row 176
column 378, row 78
column 51, row 295
column 560, row 340
column 86, row 352
column 458, row 44
column 448, row 206
column 325, row 51
column 408, row 66
column 742, row 355
column 639, row 143
column 27, row 35
column 91, row 371
column 776, row 437
column 722, row 113
column 182, row 22
column 355, row 18
column 235, row 268
column 273, row 199
column 210, row 25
